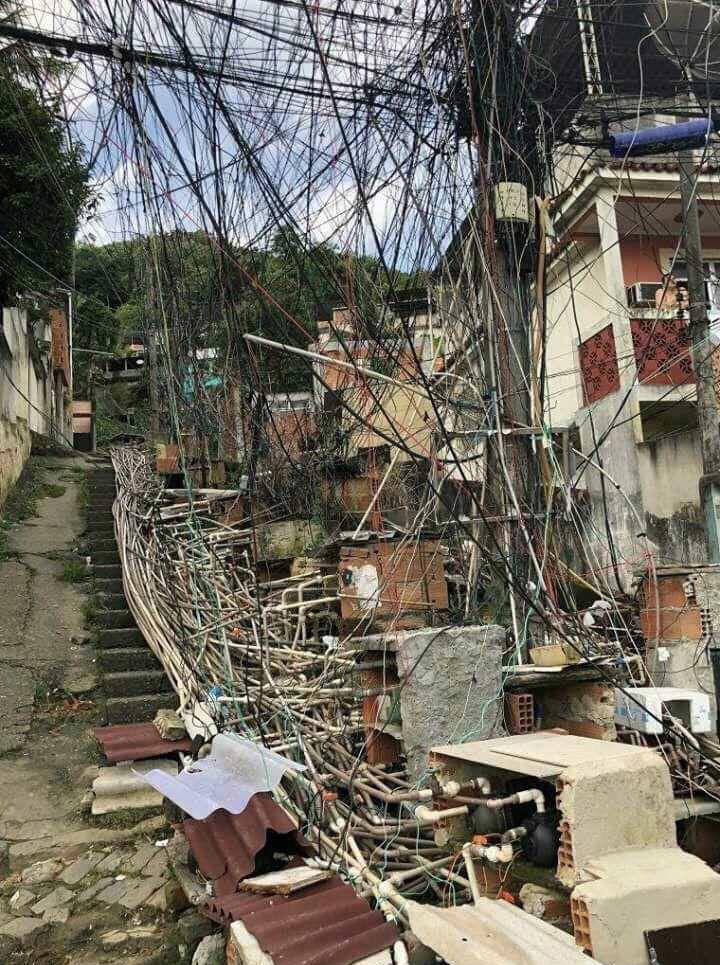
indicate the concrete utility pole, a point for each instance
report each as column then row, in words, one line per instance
column 702, row 356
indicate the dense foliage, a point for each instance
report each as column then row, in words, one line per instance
column 211, row 296
column 43, row 189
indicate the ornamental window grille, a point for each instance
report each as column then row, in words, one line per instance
column 599, row 365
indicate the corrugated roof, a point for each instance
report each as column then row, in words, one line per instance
column 225, row 845
column 136, row 742
column 325, row 924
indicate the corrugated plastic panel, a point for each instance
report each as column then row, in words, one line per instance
column 225, row 845
column 325, row 924
column 136, row 742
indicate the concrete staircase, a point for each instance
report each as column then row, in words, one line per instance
column 134, row 682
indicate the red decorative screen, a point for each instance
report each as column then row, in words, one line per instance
column 662, row 351
column 599, row 365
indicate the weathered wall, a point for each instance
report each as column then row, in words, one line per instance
column 670, row 469
column 572, row 308
column 451, row 688
column 14, row 450
column 26, row 403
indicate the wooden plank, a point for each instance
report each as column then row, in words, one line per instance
column 285, row 881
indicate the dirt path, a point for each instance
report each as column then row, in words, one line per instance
column 71, row 890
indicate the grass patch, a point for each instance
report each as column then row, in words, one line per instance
column 53, row 490
column 74, row 571
column 49, row 685
column 124, row 818
column 23, row 499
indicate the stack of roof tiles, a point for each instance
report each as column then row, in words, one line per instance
column 137, row 742
column 225, row 845
column 324, row 924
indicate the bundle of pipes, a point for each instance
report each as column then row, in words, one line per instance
column 246, row 652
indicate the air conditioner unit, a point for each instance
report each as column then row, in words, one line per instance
column 642, row 294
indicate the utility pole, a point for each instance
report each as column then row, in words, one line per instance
column 702, row 356
column 505, row 146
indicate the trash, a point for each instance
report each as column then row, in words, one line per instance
column 227, row 778
column 169, row 725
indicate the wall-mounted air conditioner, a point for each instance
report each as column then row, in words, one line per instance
column 642, row 294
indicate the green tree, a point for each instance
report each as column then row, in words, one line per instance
column 43, row 182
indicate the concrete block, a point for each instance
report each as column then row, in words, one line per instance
column 119, row 659
column 452, row 689
column 613, row 804
column 639, row 890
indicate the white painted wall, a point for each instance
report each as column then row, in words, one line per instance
column 576, row 285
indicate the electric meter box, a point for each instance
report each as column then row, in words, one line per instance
column 511, row 202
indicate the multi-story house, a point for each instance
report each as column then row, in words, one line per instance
column 619, row 369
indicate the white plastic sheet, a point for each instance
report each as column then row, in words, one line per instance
column 227, row 778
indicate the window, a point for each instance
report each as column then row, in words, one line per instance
column 711, row 269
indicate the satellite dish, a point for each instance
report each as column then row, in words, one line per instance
column 688, row 34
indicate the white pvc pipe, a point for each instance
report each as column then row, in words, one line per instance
column 426, row 815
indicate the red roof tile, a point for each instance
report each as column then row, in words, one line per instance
column 136, row 742
column 225, row 845
column 325, row 924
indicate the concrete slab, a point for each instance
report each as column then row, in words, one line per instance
column 492, row 933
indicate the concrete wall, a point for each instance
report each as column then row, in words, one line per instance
column 576, row 309
column 669, row 472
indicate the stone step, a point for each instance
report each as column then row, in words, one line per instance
column 120, row 637
column 119, row 659
column 106, row 531
column 113, row 601
column 107, row 586
column 114, row 619
column 102, row 543
column 100, row 527
column 135, row 683
column 102, row 505
column 105, row 557
column 111, row 571
column 135, row 710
